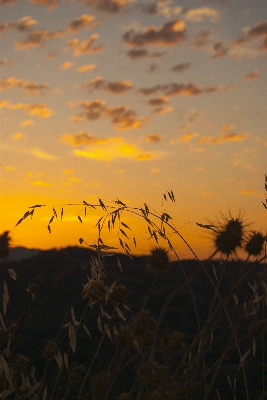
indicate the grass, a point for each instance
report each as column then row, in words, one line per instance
column 142, row 354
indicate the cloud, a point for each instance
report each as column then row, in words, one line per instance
column 135, row 54
column 38, row 38
column 32, row 109
column 186, row 137
column 107, row 149
column 219, row 49
column 160, row 7
column 28, row 87
column 112, row 87
column 257, row 31
column 199, row 14
column 85, row 46
column 180, row 67
column 66, row 65
column 121, row 116
column 252, row 75
column 223, row 137
column 84, row 21
column 177, row 89
column 163, row 110
column 41, row 154
column 50, row 4
column 226, row 128
column 87, row 67
column 248, row 192
column 22, row 25
column 167, row 35
column 41, row 183
column 200, row 39
column 153, row 138
column 109, row 6
column 158, row 101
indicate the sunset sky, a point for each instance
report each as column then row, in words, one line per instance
column 129, row 99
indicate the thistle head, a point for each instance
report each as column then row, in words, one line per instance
column 158, row 260
column 255, row 243
column 229, row 235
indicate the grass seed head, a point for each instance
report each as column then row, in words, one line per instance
column 158, row 261
column 254, row 245
column 229, row 235
column 95, row 291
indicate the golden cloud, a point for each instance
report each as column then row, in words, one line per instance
column 88, row 67
column 187, row 137
column 41, row 154
column 106, row 149
column 223, row 137
column 29, row 87
column 22, row 25
column 199, row 14
column 163, row 110
column 85, row 46
column 66, row 65
column 32, row 109
column 167, row 35
column 38, row 38
column 248, row 192
column 41, row 183
column 48, row 3
column 84, row 21
column 159, row 101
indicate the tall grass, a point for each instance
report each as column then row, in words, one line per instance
column 141, row 354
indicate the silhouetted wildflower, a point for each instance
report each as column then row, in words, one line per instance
column 229, row 235
column 158, row 260
column 254, row 245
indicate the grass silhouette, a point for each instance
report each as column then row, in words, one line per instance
column 140, row 354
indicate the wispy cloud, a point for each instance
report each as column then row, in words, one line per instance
column 41, row 154
column 252, row 75
column 108, row 6
column 121, row 116
column 107, row 149
column 153, row 137
column 66, row 65
column 186, row 137
column 223, row 137
column 199, row 14
column 86, row 46
column 117, row 87
column 176, row 89
column 84, row 21
column 136, row 54
column 22, row 25
column 28, row 87
column 167, row 35
column 38, row 38
column 32, row 109
column 87, row 67
column 180, row 67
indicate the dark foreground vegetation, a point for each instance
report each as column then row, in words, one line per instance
column 81, row 323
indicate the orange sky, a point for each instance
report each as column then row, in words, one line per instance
column 130, row 99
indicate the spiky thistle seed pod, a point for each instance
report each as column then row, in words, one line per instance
column 229, row 235
column 254, row 245
column 118, row 293
column 158, row 261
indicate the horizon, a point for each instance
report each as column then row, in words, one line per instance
column 131, row 100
